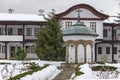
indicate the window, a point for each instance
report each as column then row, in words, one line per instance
column 10, row 31
column 28, row 49
column 36, row 31
column 93, row 26
column 107, row 50
column 29, row 32
column 99, row 50
column 1, row 31
column 68, row 24
column 3, row 49
column 105, row 33
column 114, row 33
column 115, row 50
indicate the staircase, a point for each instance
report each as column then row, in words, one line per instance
column 67, row 71
column 65, row 74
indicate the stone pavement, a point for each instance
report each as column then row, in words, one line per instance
column 65, row 74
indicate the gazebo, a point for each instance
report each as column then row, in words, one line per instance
column 79, row 40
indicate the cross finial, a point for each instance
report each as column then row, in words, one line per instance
column 78, row 14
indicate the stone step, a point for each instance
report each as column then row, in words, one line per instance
column 65, row 74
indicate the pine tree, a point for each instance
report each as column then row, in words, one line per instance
column 49, row 42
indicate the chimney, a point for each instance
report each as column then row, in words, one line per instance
column 10, row 11
column 41, row 11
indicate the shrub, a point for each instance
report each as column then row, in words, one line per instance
column 20, row 54
column 37, row 68
column 33, row 66
column 100, row 62
column 103, row 68
column 77, row 72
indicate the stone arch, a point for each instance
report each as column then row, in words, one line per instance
column 71, row 53
column 81, row 54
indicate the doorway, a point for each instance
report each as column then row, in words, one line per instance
column 12, row 51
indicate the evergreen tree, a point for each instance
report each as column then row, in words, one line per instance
column 49, row 42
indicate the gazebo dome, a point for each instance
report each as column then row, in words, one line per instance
column 79, row 29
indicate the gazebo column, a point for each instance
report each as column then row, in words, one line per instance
column 76, row 53
column 67, row 50
column 85, row 54
column 91, row 53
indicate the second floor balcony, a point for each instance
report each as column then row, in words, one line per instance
column 11, row 38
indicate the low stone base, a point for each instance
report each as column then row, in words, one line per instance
column 69, row 65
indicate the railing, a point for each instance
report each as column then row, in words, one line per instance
column 110, row 38
column 107, row 38
column 11, row 38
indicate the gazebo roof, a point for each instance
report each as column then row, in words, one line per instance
column 79, row 29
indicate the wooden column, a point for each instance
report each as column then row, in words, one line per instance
column 5, row 42
column 95, row 52
column 112, row 43
column 67, row 47
column 5, row 50
column 23, row 36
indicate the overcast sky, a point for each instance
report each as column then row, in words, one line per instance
column 110, row 7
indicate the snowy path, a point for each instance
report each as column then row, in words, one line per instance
column 65, row 74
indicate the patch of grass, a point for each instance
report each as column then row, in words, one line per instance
column 100, row 62
column 2, row 63
column 103, row 68
column 32, row 69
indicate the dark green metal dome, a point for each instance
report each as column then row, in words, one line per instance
column 79, row 29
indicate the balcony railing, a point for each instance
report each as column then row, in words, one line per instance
column 11, row 38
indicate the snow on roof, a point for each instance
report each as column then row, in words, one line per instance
column 112, row 19
column 21, row 17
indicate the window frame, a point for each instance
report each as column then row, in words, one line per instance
column 28, row 31
column 10, row 31
column 105, row 33
column 67, row 24
column 3, row 48
column 99, row 50
column 107, row 50
column 115, row 50
column 93, row 26
column 1, row 31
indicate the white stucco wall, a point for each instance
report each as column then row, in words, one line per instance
column 83, row 14
column 109, row 33
column 99, row 26
column 104, row 56
column 78, row 37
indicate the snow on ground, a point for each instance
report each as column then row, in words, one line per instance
column 89, row 74
column 46, row 74
column 15, row 67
